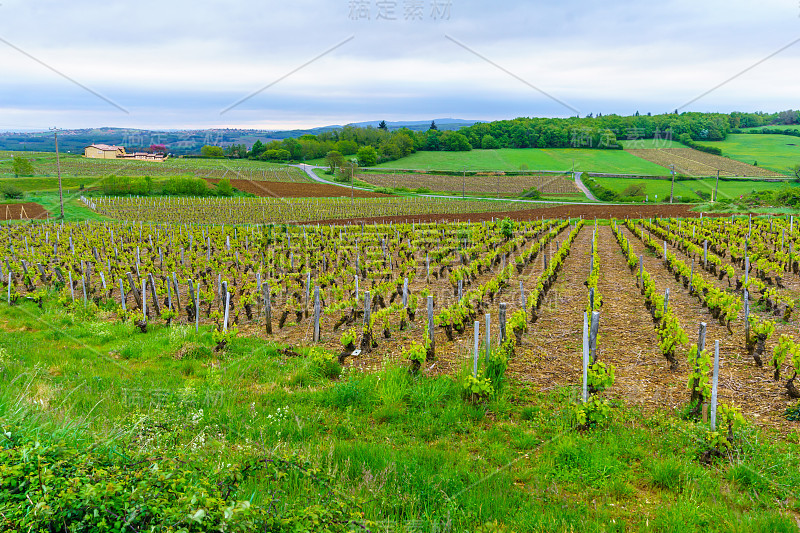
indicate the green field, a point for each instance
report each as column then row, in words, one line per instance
column 685, row 189
column 775, row 152
column 558, row 159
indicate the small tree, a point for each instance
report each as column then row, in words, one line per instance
column 212, row 151
column 433, row 126
column 796, row 172
column 334, row 160
column 21, row 167
column 383, row 126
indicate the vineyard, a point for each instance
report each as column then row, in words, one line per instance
column 44, row 164
column 377, row 287
column 485, row 183
column 691, row 162
column 281, row 210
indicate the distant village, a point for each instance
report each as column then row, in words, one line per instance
column 106, row 151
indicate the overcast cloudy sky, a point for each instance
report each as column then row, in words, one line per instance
column 180, row 63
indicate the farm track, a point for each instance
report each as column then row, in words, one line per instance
column 741, row 381
column 553, row 359
column 628, row 339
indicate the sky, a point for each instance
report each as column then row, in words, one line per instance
column 302, row 63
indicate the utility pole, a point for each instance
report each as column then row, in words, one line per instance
column 58, row 167
column 716, row 186
column 464, row 185
column 352, row 169
column 672, row 190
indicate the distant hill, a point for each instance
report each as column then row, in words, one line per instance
column 182, row 142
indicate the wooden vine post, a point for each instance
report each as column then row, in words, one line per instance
column 316, row 314
column 431, row 352
column 502, row 323
column 714, row 382
column 477, row 325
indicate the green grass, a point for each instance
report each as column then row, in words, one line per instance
column 558, row 159
column 775, row 152
column 409, row 450
column 43, row 184
column 685, row 189
column 775, row 127
column 649, row 144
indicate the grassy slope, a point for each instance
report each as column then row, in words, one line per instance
column 558, row 159
column 774, row 152
column 411, row 449
column 685, row 189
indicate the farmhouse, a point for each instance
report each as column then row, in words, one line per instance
column 103, row 151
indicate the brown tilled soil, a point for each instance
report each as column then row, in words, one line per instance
column 560, row 211
column 274, row 189
column 26, row 211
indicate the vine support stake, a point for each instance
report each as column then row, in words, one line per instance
column 488, row 335
column 430, row 326
column 227, row 309
column 593, row 335
column 502, row 323
column 585, row 358
column 405, row 293
column 475, row 351
column 714, row 381
column 367, row 308
column 746, row 270
column 316, row 314
column 122, row 294
column 666, row 302
column 746, row 315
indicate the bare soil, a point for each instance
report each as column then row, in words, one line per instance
column 25, row 211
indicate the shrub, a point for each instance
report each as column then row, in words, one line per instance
column 186, row 186
column 12, row 192
column 224, row 188
column 124, row 186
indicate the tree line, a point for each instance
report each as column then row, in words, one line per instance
column 369, row 146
